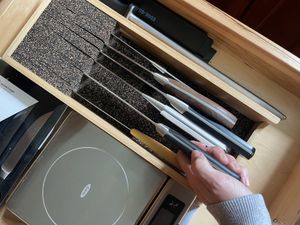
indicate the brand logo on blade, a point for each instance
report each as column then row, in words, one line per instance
column 85, row 190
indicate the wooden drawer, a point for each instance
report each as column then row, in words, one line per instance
column 247, row 57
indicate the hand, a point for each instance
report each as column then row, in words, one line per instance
column 210, row 185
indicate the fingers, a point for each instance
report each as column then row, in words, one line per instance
column 183, row 162
column 217, row 152
column 227, row 160
column 220, row 155
column 202, row 146
column 211, row 185
column 245, row 176
column 201, row 166
column 242, row 171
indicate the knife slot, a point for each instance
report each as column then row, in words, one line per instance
column 110, row 108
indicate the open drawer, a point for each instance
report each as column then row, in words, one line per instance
column 247, row 58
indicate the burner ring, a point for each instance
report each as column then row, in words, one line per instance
column 59, row 170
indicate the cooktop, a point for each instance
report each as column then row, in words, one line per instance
column 84, row 176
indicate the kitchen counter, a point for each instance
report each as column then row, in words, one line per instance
column 277, row 157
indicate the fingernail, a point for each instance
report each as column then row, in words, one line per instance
column 248, row 182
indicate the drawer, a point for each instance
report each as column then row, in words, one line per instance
column 246, row 57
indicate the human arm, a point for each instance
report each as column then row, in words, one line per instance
column 230, row 201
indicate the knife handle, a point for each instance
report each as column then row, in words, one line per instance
column 206, row 105
column 188, row 147
column 158, row 149
column 233, row 141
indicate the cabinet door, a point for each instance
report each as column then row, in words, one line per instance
column 275, row 19
column 235, row 8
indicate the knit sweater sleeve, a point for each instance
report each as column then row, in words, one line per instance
column 247, row 210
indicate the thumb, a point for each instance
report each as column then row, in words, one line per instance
column 201, row 166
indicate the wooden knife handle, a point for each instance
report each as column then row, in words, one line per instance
column 158, row 149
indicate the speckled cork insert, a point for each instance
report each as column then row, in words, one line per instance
column 61, row 38
column 65, row 46
column 76, row 48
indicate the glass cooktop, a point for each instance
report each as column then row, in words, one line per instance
column 84, row 176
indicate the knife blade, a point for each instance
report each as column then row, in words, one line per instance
column 161, row 151
column 232, row 141
column 182, row 90
column 209, row 140
column 199, row 101
column 159, row 67
column 158, row 149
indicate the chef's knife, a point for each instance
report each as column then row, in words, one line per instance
column 209, row 140
column 174, row 137
column 199, row 101
column 232, row 141
column 188, row 147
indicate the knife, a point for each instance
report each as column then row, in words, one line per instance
column 199, row 101
column 18, row 151
column 174, row 137
column 161, row 151
column 158, row 149
column 196, row 136
column 183, row 91
column 183, row 143
column 209, row 140
column 232, row 141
